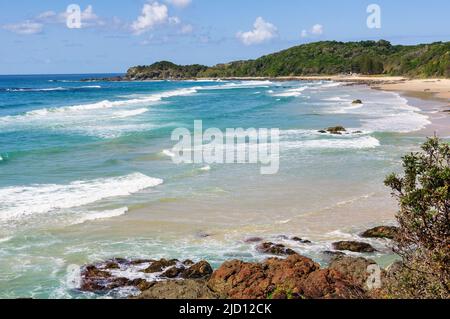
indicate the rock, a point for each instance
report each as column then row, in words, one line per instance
column 253, row 240
column 172, row 272
column 394, row 269
column 178, row 289
column 300, row 240
column 199, row 270
column 159, row 265
column 381, row 232
column 338, row 130
column 354, row 246
column 357, row 102
column 329, row 284
column 274, row 249
column 353, row 268
column 333, row 253
column 323, row 131
column 240, row 280
column 357, row 132
column 188, row 262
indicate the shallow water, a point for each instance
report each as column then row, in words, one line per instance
column 86, row 172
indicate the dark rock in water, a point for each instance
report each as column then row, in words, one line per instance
column 188, row 262
column 357, row 132
column 337, row 130
column 253, row 240
column 159, row 265
column 283, row 237
column 357, row 102
column 236, row 279
column 172, row 272
column 274, row 249
column 354, row 246
column 178, row 289
column 199, row 270
column 381, row 232
column 300, row 240
column 353, row 268
column 333, row 253
column 322, row 131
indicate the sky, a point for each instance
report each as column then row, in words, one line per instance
column 110, row 36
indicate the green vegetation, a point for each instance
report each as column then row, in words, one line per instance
column 320, row 58
column 423, row 240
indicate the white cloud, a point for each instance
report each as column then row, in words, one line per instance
column 186, row 29
column 263, row 31
column 25, row 28
column 179, row 3
column 316, row 30
column 152, row 15
column 37, row 24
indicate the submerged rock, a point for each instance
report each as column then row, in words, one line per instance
column 275, row 249
column 354, row 246
column 381, row 232
column 337, row 130
column 253, row 240
column 301, row 240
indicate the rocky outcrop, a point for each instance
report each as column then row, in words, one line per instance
column 274, row 249
column 330, row 284
column 381, row 232
column 354, row 246
column 178, row 289
column 337, row 130
column 115, row 273
column 354, row 268
column 240, row 280
column 295, row 277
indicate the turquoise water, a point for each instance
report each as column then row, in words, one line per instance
column 86, row 171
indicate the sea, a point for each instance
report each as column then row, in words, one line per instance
column 87, row 172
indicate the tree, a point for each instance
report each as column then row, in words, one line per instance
column 423, row 240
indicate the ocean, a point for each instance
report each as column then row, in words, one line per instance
column 86, row 172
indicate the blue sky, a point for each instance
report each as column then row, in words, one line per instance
column 117, row 34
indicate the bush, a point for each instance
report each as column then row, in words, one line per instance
column 423, row 241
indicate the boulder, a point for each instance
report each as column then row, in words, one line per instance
column 337, row 130
column 199, row 270
column 301, row 240
column 178, row 289
column 329, row 284
column 354, row 246
column 159, row 265
column 240, row 280
column 357, row 102
column 275, row 249
column 353, row 268
column 381, row 232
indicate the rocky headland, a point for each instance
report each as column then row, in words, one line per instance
column 285, row 274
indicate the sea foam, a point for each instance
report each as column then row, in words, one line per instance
column 21, row 201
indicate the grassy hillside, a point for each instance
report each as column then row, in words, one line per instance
column 320, row 58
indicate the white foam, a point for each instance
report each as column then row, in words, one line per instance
column 20, row 201
column 205, row 168
column 291, row 92
column 365, row 142
column 168, row 153
column 124, row 114
column 101, row 215
column 5, row 239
